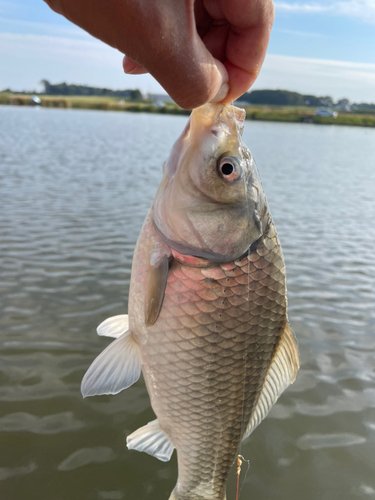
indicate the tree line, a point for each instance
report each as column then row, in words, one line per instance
column 84, row 90
column 256, row 97
column 285, row 98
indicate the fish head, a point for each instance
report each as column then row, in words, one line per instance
column 211, row 203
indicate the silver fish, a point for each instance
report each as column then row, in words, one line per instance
column 207, row 321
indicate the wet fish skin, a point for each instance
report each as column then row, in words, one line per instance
column 208, row 326
column 206, row 357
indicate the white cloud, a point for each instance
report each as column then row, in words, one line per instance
column 8, row 6
column 307, row 34
column 46, row 46
column 27, row 58
column 7, row 24
column 319, row 76
column 310, row 8
column 360, row 9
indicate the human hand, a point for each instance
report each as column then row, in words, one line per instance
column 199, row 51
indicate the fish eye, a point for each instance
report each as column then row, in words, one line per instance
column 229, row 168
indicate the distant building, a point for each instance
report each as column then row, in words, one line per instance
column 159, row 97
column 241, row 103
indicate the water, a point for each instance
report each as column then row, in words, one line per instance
column 74, row 189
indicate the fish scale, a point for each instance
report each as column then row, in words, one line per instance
column 227, row 319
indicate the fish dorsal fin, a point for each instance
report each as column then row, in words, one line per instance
column 114, row 326
column 155, row 288
column 281, row 373
column 151, row 439
column 115, row 369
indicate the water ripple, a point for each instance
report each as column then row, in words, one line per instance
column 75, row 187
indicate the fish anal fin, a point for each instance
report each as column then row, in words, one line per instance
column 152, row 440
column 115, row 369
column 157, row 276
column 281, row 373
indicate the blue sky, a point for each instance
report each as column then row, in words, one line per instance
column 323, row 47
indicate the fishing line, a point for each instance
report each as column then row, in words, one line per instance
column 241, row 459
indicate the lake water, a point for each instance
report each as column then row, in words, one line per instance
column 74, row 189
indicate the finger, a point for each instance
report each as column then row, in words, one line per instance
column 131, row 67
column 247, row 42
column 193, row 78
column 190, row 73
column 215, row 40
column 222, row 94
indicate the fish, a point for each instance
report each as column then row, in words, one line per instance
column 207, row 320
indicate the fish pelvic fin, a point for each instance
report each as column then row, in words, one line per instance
column 115, row 369
column 114, row 326
column 152, row 440
column 281, row 373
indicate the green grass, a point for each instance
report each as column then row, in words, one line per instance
column 261, row 113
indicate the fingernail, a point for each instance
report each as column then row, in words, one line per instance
column 129, row 65
column 222, row 94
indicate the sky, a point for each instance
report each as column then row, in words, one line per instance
column 322, row 47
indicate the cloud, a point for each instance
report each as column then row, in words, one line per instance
column 319, row 76
column 307, row 34
column 357, row 9
column 57, row 47
column 8, row 6
column 15, row 25
column 361, row 9
column 27, row 58
column 309, row 8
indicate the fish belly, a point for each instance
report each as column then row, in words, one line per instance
column 206, row 357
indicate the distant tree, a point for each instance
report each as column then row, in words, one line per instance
column 365, row 105
column 46, row 85
column 312, row 100
column 343, row 102
column 285, row 98
column 326, row 101
column 136, row 95
column 274, row 97
column 84, row 90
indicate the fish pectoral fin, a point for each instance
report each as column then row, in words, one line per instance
column 151, row 439
column 281, row 373
column 156, row 282
column 114, row 326
column 115, row 369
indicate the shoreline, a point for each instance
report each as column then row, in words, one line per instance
column 286, row 114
